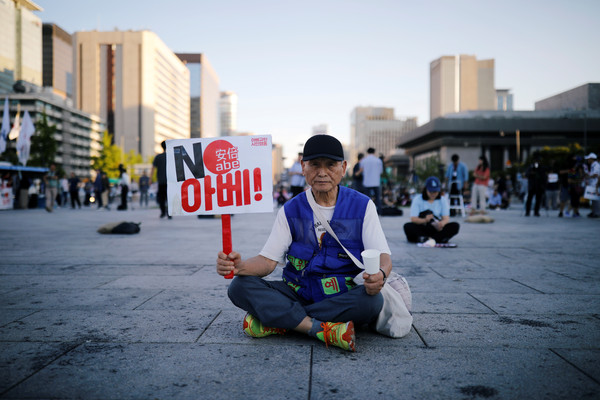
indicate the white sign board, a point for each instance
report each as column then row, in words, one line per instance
column 224, row 175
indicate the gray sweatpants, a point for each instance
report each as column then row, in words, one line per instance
column 277, row 305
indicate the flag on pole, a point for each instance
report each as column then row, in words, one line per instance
column 24, row 141
column 5, row 126
column 14, row 132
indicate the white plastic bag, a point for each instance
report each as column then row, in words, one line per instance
column 394, row 319
column 591, row 193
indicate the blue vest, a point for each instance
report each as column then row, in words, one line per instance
column 316, row 272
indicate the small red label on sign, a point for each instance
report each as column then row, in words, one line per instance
column 259, row 141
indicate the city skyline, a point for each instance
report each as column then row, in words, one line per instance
column 299, row 65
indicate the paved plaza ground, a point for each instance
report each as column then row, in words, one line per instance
column 512, row 313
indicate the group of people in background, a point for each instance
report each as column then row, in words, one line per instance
column 97, row 191
column 560, row 188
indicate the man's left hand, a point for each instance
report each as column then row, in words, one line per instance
column 373, row 283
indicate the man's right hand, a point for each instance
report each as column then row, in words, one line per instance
column 226, row 263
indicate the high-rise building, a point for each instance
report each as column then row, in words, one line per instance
column 504, row 100
column 321, row 129
column 377, row 127
column 20, row 43
column 136, row 83
column 228, row 113
column 277, row 163
column 204, row 96
column 461, row 83
column 57, row 60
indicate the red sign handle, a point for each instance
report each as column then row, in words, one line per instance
column 227, row 247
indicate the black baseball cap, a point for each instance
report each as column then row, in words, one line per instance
column 323, row 146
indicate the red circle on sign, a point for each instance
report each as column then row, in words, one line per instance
column 220, row 157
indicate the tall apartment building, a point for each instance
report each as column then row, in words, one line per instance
column 20, row 43
column 377, row 127
column 57, row 60
column 136, row 83
column 228, row 113
column 461, row 83
column 204, row 95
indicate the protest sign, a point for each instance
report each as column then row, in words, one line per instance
column 224, row 175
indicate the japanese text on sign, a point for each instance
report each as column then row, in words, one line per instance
column 219, row 176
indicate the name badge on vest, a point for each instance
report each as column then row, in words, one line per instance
column 330, row 285
column 343, row 255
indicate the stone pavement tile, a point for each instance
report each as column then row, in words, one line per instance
column 577, row 270
column 474, row 270
column 448, row 303
column 411, row 270
column 540, row 304
column 173, row 371
column 189, row 299
column 447, row 373
column 137, row 269
column 563, row 285
column 53, row 281
column 76, row 299
column 515, row 331
column 105, row 326
column 7, row 316
column 437, row 284
column 20, row 360
column 198, row 282
column 39, row 269
column 586, row 360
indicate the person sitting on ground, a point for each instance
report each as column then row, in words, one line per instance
column 430, row 216
column 317, row 295
column 495, row 201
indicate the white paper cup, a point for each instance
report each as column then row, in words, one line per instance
column 371, row 261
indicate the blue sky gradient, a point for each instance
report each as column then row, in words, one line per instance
column 295, row 65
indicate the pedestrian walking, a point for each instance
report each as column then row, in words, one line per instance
column 592, row 180
column 480, row 186
column 159, row 165
column 297, row 180
column 371, row 168
column 144, row 185
column 536, row 183
column 51, row 191
column 124, row 182
column 74, row 190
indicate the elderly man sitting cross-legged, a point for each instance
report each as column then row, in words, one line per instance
column 317, row 295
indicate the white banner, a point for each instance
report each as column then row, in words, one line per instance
column 224, row 175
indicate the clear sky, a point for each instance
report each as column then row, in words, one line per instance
column 298, row 64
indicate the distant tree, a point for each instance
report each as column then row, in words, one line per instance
column 112, row 155
column 43, row 144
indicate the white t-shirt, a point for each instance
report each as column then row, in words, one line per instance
column 372, row 170
column 280, row 238
column 125, row 179
column 297, row 179
column 594, row 170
